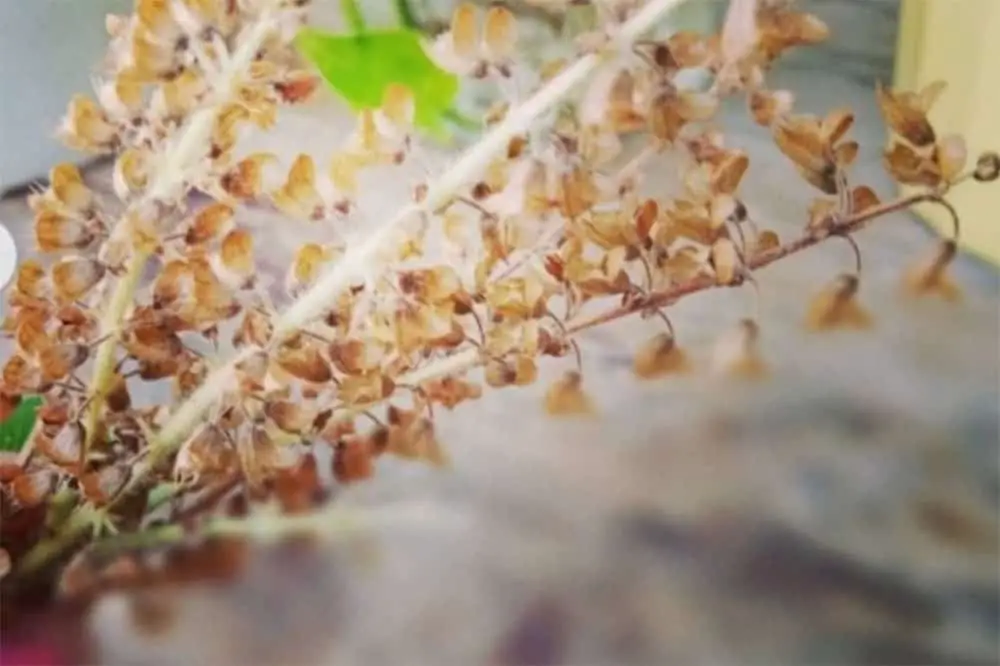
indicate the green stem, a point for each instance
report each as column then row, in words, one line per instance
column 352, row 14
column 405, row 14
column 461, row 120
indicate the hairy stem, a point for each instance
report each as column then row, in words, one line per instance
column 352, row 14
column 363, row 261
column 169, row 178
column 470, row 358
column 405, row 14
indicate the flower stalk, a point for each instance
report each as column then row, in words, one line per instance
column 358, row 263
column 168, row 183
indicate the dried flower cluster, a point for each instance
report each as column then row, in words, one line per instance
column 467, row 291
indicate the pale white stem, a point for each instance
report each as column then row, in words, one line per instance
column 362, row 259
column 167, row 184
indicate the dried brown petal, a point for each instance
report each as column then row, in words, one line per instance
column 74, row 277
column 836, row 307
column 565, row 397
column 66, row 447
column 737, row 354
column 951, row 156
column 499, row 34
column 658, row 357
column 929, row 277
column 766, row 241
column 362, row 389
column 30, row 279
column 464, row 30
column 909, row 167
column 727, row 174
column 767, row 106
column 54, row 232
column 906, row 113
column 237, row 253
column 450, row 391
column 297, row 87
column 103, row 484
column 725, row 261
column 246, row 179
column 59, row 360
column 209, row 223
column 291, row 417
column 33, row 488
column 353, row 458
column 304, row 362
column 69, row 189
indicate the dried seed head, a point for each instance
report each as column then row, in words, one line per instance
column 836, row 307
column 737, row 354
column 33, row 488
column 767, row 106
column 658, row 357
column 464, row 30
column 102, row 485
column 353, row 459
column 450, row 391
column 565, row 397
column 236, row 253
column 86, row 127
column 291, row 417
column 906, row 112
column 499, row 34
column 54, row 232
column 74, row 277
column 987, row 167
column 66, row 447
column 725, row 261
column 59, row 360
column 209, row 223
column 130, row 173
column 929, row 277
column 68, row 188
column 766, row 241
column 304, row 362
column 951, row 156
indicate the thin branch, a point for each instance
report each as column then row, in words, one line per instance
column 168, row 180
column 470, row 358
column 363, row 261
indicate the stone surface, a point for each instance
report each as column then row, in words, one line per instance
column 844, row 512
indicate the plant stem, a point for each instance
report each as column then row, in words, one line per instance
column 468, row 359
column 167, row 181
column 363, row 260
column 405, row 14
column 352, row 14
column 170, row 177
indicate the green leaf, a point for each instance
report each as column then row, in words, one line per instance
column 360, row 67
column 16, row 428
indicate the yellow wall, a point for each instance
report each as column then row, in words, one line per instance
column 959, row 41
